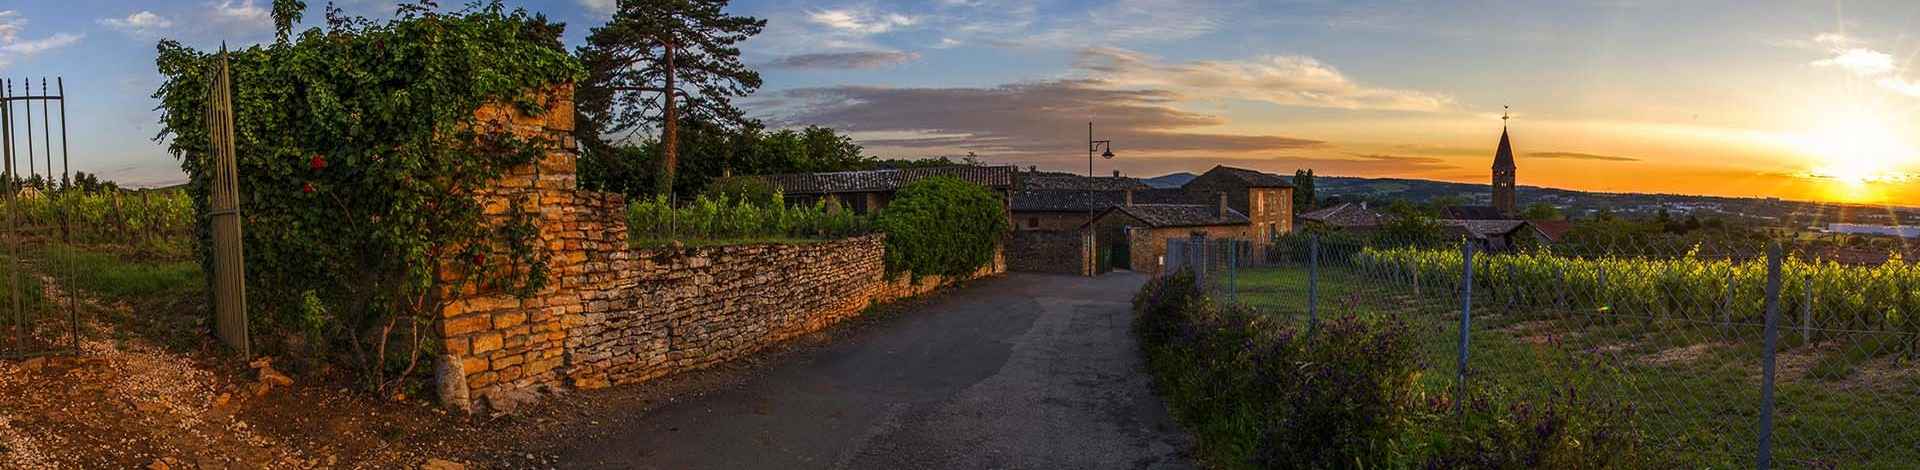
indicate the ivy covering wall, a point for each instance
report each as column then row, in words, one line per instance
column 358, row 151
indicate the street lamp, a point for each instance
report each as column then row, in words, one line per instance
column 1096, row 146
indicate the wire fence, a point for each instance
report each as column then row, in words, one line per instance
column 1728, row 352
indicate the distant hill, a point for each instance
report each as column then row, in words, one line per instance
column 1583, row 203
column 1174, row 180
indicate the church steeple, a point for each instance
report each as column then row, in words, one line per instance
column 1504, row 174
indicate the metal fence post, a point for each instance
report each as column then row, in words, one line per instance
column 1726, row 306
column 1466, row 319
column 1313, row 282
column 1806, row 312
column 1766, row 364
column 1560, row 291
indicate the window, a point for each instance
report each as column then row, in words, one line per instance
column 1033, row 222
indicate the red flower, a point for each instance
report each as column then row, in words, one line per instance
column 479, row 258
column 306, row 188
column 317, row 162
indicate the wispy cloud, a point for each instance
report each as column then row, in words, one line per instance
column 1581, row 156
column 240, row 16
column 603, row 7
column 844, row 60
column 1290, row 80
column 142, row 23
column 1855, row 57
column 12, row 48
column 860, row 21
column 1028, row 120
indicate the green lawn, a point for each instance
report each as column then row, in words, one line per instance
column 1852, row 402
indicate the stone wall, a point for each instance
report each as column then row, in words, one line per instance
column 1051, row 251
column 612, row 314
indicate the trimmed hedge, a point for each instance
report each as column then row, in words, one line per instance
column 942, row 226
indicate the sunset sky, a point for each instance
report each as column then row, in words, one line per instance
column 1798, row 99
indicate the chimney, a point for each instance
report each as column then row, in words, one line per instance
column 1116, row 173
column 1129, row 197
column 1221, row 210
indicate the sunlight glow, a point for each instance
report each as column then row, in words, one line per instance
column 1856, row 149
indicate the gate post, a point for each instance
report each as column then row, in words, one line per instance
column 229, row 271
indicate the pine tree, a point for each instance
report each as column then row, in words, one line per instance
column 658, row 60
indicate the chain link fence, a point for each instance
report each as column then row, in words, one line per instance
column 1728, row 351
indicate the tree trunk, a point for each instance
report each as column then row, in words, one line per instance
column 670, row 134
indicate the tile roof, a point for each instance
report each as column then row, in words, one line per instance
column 1347, row 214
column 998, row 177
column 1254, row 178
column 1053, row 200
column 1067, row 181
column 1484, row 228
column 1553, row 229
column 1181, row 215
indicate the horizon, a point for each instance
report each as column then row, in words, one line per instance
column 1809, row 102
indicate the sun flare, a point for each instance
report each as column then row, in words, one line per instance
column 1856, row 149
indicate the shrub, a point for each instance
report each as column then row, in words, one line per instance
column 1260, row 394
column 942, row 226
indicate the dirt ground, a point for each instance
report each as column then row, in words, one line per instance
column 127, row 402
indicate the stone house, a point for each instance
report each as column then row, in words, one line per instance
column 1265, row 198
column 867, row 191
column 1137, row 234
column 1058, row 202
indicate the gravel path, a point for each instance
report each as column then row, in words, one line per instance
column 1022, row 371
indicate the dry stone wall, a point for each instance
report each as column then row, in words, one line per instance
column 612, row 314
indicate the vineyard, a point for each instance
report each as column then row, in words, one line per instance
column 152, row 223
column 1677, row 335
column 1686, row 288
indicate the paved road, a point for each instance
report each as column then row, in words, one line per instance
column 1022, row 371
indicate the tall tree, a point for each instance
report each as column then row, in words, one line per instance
column 657, row 60
column 1303, row 196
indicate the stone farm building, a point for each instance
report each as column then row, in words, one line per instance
column 1073, row 224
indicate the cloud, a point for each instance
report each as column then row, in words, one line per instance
column 1860, row 61
column 860, row 22
column 1581, row 156
column 1026, row 120
column 1128, row 21
column 140, row 23
column 11, row 23
column 1289, row 80
column 240, row 16
column 604, row 7
column 13, row 48
column 1852, row 56
column 844, row 60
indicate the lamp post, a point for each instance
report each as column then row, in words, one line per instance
column 1096, row 146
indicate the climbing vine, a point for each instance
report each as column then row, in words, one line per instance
column 359, row 154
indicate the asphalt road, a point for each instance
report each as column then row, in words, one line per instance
column 1021, row 371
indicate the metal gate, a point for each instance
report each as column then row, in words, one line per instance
column 37, row 316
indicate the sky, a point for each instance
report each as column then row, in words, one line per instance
column 1795, row 99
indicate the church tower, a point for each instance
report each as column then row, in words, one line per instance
column 1503, row 175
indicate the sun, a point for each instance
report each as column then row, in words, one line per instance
column 1856, row 149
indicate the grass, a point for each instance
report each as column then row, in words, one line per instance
column 112, row 277
column 1847, row 402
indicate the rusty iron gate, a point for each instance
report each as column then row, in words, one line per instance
column 37, row 316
